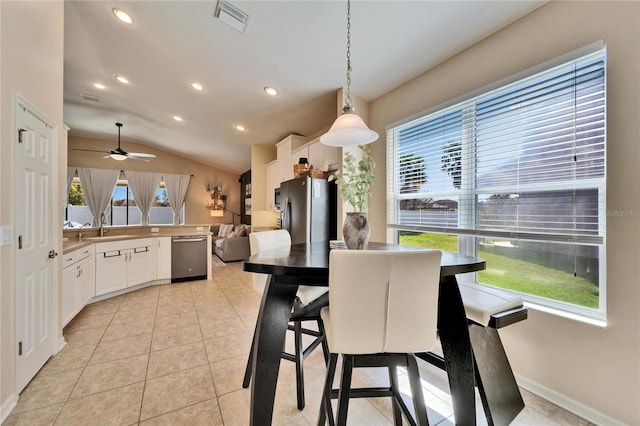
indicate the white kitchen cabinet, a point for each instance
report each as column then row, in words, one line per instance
column 69, row 285
column 111, row 271
column 122, row 264
column 284, row 150
column 323, row 157
column 299, row 153
column 87, row 290
column 140, row 267
column 273, row 182
column 163, row 258
column 78, row 281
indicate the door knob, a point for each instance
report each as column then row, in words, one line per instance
column 52, row 254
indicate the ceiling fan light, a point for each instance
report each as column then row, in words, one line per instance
column 118, row 157
column 349, row 130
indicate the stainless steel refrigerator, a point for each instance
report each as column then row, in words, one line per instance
column 308, row 209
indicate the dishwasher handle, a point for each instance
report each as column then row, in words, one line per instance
column 188, row 240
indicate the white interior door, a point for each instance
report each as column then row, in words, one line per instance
column 35, row 308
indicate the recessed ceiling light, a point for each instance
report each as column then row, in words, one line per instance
column 197, row 86
column 241, row 128
column 122, row 79
column 270, row 91
column 177, row 118
column 122, row 15
column 99, row 86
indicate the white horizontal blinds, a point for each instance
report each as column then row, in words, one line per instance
column 540, row 152
column 427, row 173
column 526, row 160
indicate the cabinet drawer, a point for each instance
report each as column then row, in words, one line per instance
column 76, row 256
column 124, row 244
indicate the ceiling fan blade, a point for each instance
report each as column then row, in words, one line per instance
column 141, row 154
column 137, row 158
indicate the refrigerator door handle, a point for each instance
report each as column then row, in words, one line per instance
column 285, row 215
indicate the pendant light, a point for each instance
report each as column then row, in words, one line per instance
column 348, row 129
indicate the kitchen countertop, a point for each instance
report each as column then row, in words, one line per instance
column 74, row 243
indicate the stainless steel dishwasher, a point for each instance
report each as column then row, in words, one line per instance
column 188, row 258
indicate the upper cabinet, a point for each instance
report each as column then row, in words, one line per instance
column 289, row 152
column 323, row 157
column 284, row 148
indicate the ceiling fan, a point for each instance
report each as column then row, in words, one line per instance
column 119, row 153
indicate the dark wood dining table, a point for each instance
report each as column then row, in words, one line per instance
column 308, row 264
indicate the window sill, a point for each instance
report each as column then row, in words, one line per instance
column 569, row 315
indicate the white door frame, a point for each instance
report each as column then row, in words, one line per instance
column 20, row 102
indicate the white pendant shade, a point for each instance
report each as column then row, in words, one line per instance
column 348, row 130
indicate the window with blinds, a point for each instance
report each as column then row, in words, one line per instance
column 515, row 175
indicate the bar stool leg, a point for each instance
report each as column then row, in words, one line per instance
column 247, row 371
column 345, row 389
column 326, row 412
column 297, row 327
column 416, row 391
column 393, row 381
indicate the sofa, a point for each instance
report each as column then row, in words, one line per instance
column 230, row 242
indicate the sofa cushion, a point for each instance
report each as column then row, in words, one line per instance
column 240, row 231
column 225, row 230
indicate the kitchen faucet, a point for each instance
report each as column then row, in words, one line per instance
column 103, row 220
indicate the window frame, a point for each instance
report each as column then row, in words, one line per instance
column 468, row 236
column 125, row 183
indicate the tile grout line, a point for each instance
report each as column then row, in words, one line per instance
column 144, row 385
column 215, row 390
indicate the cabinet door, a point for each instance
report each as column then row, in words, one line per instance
column 163, row 258
column 69, row 295
column 272, row 184
column 300, row 153
column 111, row 271
column 323, row 157
column 139, row 266
column 86, row 281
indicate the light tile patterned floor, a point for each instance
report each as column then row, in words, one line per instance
column 175, row 355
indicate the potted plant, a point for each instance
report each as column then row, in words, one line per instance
column 354, row 183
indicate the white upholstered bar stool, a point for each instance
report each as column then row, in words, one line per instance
column 383, row 308
column 309, row 301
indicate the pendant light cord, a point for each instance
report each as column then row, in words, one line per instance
column 347, row 98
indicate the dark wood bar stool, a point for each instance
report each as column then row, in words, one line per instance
column 309, row 301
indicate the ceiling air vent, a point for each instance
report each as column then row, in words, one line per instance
column 90, row 97
column 232, row 16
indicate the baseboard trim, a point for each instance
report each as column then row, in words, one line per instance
column 577, row 408
column 7, row 406
column 61, row 344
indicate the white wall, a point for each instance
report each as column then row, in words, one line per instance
column 31, row 63
column 595, row 368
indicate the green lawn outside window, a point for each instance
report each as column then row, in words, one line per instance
column 516, row 274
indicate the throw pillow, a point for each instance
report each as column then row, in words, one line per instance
column 240, row 231
column 225, row 230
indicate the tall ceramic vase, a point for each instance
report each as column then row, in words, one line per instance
column 356, row 231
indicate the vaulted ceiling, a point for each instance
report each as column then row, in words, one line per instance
column 297, row 47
